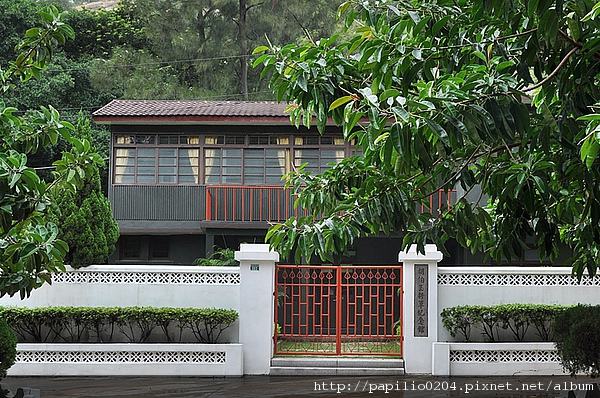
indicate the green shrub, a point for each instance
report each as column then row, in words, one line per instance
column 219, row 258
column 8, row 348
column 105, row 325
column 491, row 320
column 578, row 339
column 458, row 320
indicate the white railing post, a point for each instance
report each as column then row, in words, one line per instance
column 257, row 285
column 420, row 317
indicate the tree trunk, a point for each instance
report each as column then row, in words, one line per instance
column 243, row 49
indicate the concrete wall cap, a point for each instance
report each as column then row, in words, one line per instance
column 431, row 254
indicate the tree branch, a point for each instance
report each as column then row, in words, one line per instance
column 554, row 72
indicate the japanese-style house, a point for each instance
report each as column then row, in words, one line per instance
column 188, row 176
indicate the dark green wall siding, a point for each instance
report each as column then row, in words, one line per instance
column 158, row 203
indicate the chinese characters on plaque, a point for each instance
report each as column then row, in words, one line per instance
column 421, row 300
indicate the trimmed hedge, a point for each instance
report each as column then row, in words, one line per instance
column 8, row 348
column 519, row 319
column 578, row 339
column 111, row 324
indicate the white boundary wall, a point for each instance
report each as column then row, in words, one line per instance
column 507, row 285
column 454, row 286
column 138, row 285
column 248, row 289
column 128, row 286
column 128, row 360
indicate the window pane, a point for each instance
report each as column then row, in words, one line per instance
column 147, row 152
column 166, row 170
column 167, row 161
column 232, row 161
column 232, row 179
column 254, row 180
column 235, row 140
column 254, row 153
column 254, row 171
column 249, row 162
column 124, row 139
column 167, row 139
column 216, row 140
column 159, row 247
column 125, row 170
column 258, row 140
column 168, row 179
column 124, row 179
column 212, row 179
column 166, row 152
column 192, row 139
column 187, row 179
column 146, row 161
column 186, row 170
column 145, row 139
column 232, row 153
column 146, row 179
column 145, row 170
column 131, row 247
column 273, row 179
column 232, row 170
column 280, row 140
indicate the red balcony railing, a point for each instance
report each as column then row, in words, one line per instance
column 250, row 203
column 440, row 202
column 276, row 203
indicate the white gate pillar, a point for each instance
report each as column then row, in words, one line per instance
column 257, row 285
column 420, row 313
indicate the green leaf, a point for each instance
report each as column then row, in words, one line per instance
column 260, row 49
column 340, row 101
column 439, row 130
column 589, row 151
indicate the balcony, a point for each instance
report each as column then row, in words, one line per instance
column 167, row 207
column 250, row 203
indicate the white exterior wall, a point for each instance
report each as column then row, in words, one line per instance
column 141, row 285
column 507, row 285
column 128, row 360
column 257, row 306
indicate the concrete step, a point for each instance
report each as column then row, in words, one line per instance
column 333, row 371
column 336, row 366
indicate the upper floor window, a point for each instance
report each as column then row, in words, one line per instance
column 156, row 165
column 220, row 159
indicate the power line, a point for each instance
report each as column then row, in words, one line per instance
column 177, row 61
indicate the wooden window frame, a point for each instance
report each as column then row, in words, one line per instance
column 290, row 143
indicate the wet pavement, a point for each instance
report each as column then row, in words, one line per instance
column 313, row 386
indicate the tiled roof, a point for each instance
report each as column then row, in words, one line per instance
column 190, row 108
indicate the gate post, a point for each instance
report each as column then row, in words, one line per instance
column 257, row 306
column 420, row 313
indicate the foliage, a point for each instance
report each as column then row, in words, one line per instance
column 99, row 32
column 577, row 339
column 84, row 218
column 496, row 99
column 220, row 257
column 30, row 250
column 85, row 223
column 8, row 348
column 490, row 320
column 110, row 324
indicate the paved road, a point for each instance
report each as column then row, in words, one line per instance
column 265, row 387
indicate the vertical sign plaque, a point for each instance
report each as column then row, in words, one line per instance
column 421, row 313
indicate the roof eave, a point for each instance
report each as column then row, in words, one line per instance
column 170, row 120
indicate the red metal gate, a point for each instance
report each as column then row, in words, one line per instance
column 343, row 310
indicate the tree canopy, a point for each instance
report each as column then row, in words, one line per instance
column 496, row 99
column 29, row 249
